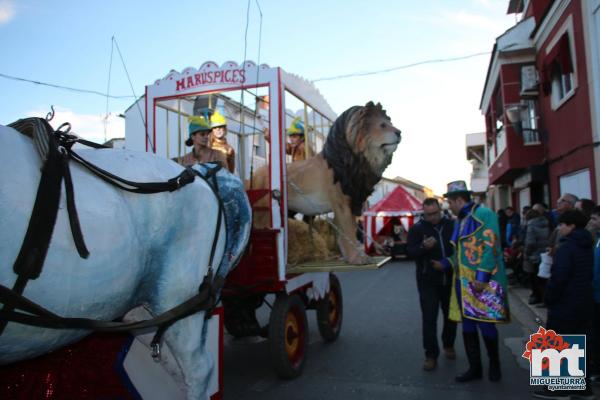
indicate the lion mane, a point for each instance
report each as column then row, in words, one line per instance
column 351, row 167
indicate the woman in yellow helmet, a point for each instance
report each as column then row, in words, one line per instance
column 218, row 139
column 295, row 146
column 199, row 131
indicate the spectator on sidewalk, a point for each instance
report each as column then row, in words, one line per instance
column 536, row 242
column 569, row 293
column 542, row 208
column 587, row 207
column 565, row 203
column 512, row 225
column 429, row 239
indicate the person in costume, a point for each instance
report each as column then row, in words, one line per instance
column 479, row 294
column 199, row 131
column 295, row 146
column 218, row 139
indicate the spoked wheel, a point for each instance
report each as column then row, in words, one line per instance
column 288, row 336
column 330, row 311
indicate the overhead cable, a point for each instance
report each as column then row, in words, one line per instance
column 16, row 78
column 383, row 71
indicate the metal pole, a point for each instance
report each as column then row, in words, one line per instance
column 323, row 132
column 306, row 137
column 179, row 127
column 241, row 140
column 315, row 129
column 168, row 133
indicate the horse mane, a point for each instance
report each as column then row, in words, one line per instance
column 350, row 168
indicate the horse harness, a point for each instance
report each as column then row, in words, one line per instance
column 56, row 148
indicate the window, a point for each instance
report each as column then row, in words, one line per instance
column 577, row 183
column 558, row 71
column 524, row 197
column 561, row 81
column 529, row 120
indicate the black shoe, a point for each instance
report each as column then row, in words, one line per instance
column 469, row 375
column 471, row 340
column 491, row 344
column 534, row 300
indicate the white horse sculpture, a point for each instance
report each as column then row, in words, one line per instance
column 150, row 250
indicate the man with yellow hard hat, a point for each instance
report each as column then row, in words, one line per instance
column 218, row 140
column 199, row 131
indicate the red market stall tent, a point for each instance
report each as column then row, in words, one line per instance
column 398, row 204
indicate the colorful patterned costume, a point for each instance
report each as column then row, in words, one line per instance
column 478, row 256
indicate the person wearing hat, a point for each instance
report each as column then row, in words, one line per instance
column 295, row 134
column 218, row 139
column 479, row 294
column 199, row 131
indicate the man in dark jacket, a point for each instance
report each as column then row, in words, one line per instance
column 429, row 239
column 569, row 293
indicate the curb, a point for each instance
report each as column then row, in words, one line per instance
column 528, row 315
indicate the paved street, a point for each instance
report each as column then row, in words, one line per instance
column 378, row 354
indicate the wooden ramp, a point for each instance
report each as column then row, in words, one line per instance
column 337, row 266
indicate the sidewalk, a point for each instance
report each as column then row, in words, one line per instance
column 528, row 316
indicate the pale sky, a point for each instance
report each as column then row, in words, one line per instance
column 68, row 43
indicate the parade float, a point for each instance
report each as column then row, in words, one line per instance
column 256, row 99
column 257, row 102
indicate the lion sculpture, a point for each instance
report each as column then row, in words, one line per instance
column 343, row 175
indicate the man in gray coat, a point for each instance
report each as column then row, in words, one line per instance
column 536, row 242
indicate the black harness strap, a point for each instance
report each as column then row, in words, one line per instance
column 187, row 176
column 35, row 245
column 30, row 260
column 72, row 210
column 36, row 315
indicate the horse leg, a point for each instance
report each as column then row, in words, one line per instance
column 186, row 338
column 186, row 341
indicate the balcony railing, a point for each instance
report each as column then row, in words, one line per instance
column 531, row 136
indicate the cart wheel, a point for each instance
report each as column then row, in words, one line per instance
column 330, row 311
column 288, row 336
